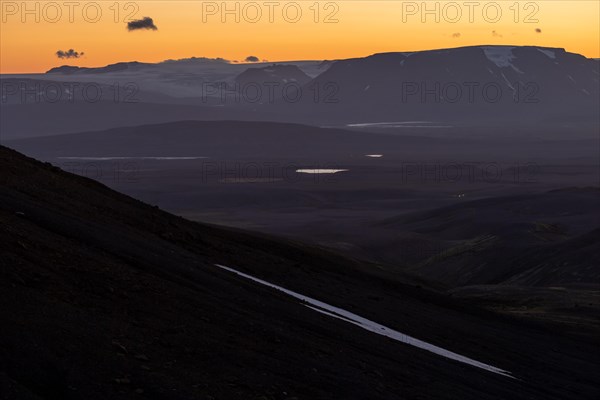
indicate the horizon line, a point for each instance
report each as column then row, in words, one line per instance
column 233, row 62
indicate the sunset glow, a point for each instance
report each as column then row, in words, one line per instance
column 32, row 32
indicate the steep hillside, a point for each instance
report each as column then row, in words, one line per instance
column 103, row 296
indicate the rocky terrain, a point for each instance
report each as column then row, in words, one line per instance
column 107, row 297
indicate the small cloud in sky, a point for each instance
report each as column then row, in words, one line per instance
column 144, row 23
column 68, row 54
column 252, row 59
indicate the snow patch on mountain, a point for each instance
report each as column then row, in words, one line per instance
column 548, row 53
column 502, row 56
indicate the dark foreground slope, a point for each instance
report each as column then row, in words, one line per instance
column 102, row 296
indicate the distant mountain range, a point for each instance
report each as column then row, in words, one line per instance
column 118, row 67
column 484, row 86
column 494, row 84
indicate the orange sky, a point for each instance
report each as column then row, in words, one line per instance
column 340, row 29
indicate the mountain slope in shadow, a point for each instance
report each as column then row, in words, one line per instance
column 107, row 297
column 531, row 85
column 532, row 256
column 532, row 240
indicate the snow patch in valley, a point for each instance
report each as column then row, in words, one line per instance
column 319, row 171
column 363, row 124
column 401, row 124
column 372, row 326
column 509, row 85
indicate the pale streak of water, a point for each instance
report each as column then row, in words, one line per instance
column 372, row 326
column 319, row 171
column 402, row 124
column 364, row 124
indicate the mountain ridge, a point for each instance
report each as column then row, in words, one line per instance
column 66, row 67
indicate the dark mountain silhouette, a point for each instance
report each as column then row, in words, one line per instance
column 529, row 240
column 259, row 139
column 479, row 84
column 131, row 66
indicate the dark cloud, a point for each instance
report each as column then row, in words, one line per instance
column 144, row 23
column 252, row 59
column 538, row 30
column 69, row 54
column 496, row 34
column 456, row 35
